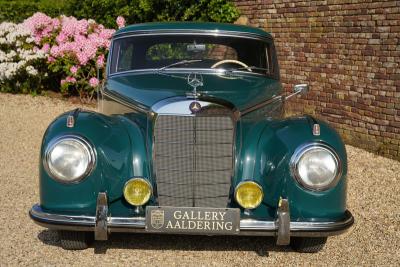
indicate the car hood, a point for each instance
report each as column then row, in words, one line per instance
column 146, row 89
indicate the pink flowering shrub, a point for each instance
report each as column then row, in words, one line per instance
column 120, row 22
column 75, row 49
column 93, row 82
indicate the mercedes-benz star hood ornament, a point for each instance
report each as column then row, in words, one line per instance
column 195, row 80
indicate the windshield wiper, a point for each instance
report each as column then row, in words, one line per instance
column 247, row 68
column 182, row 62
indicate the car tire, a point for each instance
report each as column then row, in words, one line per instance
column 74, row 240
column 308, row 244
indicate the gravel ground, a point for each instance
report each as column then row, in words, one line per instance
column 373, row 197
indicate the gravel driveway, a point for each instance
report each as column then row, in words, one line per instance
column 373, row 197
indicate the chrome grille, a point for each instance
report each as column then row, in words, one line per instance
column 193, row 160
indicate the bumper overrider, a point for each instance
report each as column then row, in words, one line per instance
column 102, row 224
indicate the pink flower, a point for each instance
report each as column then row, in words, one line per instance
column 51, row 59
column 46, row 48
column 90, row 49
column 106, row 33
column 38, row 38
column 54, row 51
column 93, row 82
column 82, row 58
column 74, row 69
column 56, row 23
column 41, row 25
column 100, row 61
column 70, row 79
column 62, row 37
column 120, row 22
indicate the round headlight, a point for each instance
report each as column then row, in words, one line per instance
column 316, row 167
column 69, row 159
column 137, row 191
column 249, row 194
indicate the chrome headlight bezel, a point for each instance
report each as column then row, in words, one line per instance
column 88, row 148
column 301, row 151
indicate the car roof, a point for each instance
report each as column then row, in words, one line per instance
column 193, row 26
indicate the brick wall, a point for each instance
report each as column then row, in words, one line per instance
column 348, row 51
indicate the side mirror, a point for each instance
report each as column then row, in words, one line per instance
column 299, row 89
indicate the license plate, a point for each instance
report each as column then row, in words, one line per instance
column 192, row 220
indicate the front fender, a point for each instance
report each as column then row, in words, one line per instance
column 265, row 157
column 120, row 150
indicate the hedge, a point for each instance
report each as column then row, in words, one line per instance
column 134, row 11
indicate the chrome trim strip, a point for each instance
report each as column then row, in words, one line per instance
column 262, row 104
column 216, row 33
column 137, row 224
column 180, row 106
column 235, row 73
column 38, row 214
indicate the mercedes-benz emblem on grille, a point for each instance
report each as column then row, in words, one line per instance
column 157, row 218
column 195, row 107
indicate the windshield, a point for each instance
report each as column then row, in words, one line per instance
column 160, row 52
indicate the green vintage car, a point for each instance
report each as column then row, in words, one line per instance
column 190, row 138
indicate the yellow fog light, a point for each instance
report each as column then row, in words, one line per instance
column 137, row 191
column 249, row 195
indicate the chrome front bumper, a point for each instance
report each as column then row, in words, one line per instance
column 137, row 224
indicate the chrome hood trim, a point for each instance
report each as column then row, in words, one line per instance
column 181, row 106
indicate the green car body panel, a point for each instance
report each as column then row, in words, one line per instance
column 149, row 88
column 265, row 140
column 265, row 151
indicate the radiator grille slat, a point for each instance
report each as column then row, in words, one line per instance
column 193, row 160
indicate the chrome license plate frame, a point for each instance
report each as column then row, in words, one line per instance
column 193, row 220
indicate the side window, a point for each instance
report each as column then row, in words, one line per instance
column 269, row 61
column 125, row 57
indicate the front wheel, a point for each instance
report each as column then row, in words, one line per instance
column 308, row 244
column 74, row 240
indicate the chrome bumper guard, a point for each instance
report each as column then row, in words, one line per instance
column 102, row 225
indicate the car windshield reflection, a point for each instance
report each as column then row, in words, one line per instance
column 158, row 53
